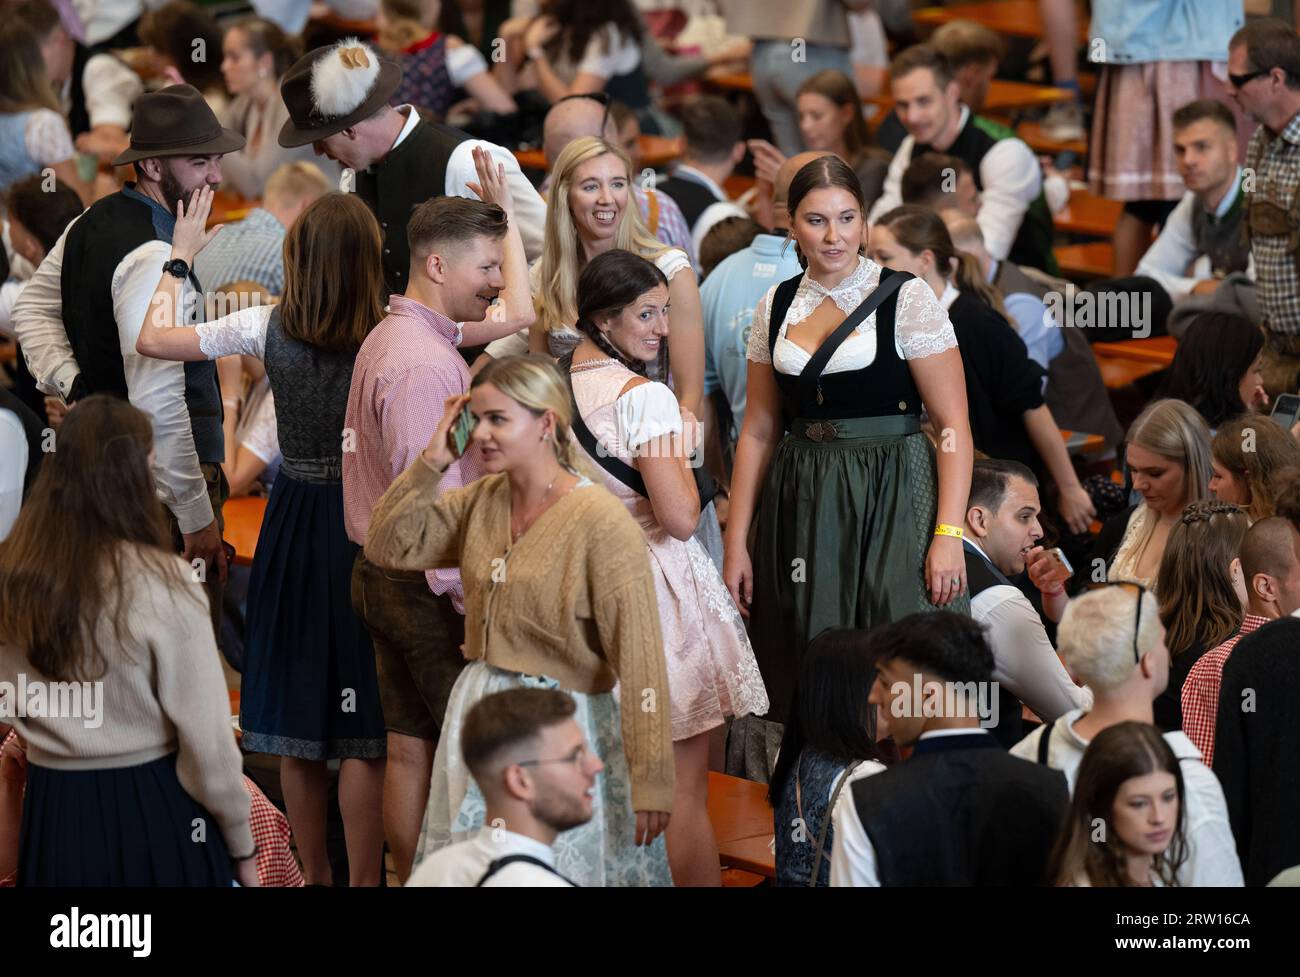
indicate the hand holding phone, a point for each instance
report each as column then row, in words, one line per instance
column 463, row 429
column 1285, row 410
column 1048, row 569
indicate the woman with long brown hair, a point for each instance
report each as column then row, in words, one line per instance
column 33, row 131
column 91, row 595
column 830, row 119
column 1253, row 460
column 309, row 691
column 1202, row 594
column 839, row 409
column 1131, row 788
column 1003, row 385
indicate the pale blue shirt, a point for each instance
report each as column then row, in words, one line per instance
column 1034, row 324
column 729, row 297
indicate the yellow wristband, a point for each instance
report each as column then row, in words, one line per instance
column 943, row 529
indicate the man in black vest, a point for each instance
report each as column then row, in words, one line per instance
column 338, row 101
column 79, row 316
column 1013, row 214
column 713, row 148
column 960, row 810
column 1001, row 529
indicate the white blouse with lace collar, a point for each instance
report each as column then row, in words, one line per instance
column 921, row 326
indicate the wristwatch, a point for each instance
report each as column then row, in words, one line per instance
column 177, row 267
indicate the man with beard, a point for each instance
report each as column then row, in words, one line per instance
column 79, row 316
column 531, row 760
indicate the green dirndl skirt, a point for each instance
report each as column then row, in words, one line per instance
column 843, row 528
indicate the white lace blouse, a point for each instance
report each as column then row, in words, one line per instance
column 921, row 326
column 239, row 332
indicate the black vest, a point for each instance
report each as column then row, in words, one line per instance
column 981, row 575
column 408, row 176
column 884, row 388
column 1220, row 237
column 692, row 197
column 962, row 812
column 1033, row 243
column 95, row 245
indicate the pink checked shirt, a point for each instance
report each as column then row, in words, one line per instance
column 405, row 371
column 1201, row 690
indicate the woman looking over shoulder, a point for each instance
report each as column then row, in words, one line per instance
column 558, row 593
column 880, row 538
column 623, row 315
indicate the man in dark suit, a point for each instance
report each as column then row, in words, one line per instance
column 960, row 810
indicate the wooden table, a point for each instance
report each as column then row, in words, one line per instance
column 1003, row 96
column 656, row 151
column 1095, row 259
column 243, row 518
column 742, row 823
column 1032, row 134
column 1157, row 349
column 1088, row 215
column 1080, row 443
column 1116, row 373
column 228, row 207
column 1020, row 18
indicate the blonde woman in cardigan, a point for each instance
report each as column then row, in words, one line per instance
column 559, row 594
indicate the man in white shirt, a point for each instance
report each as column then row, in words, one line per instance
column 1001, row 528
column 1112, row 638
column 80, row 314
column 960, row 810
column 1013, row 213
column 530, row 759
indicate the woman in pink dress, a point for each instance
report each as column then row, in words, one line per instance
column 643, row 441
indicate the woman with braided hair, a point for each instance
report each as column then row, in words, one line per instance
column 642, row 439
column 1202, row 594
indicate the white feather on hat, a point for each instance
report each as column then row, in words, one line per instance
column 341, row 80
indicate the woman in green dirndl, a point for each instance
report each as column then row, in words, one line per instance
column 857, row 516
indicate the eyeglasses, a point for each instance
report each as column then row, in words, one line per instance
column 1241, row 81
column 601, row 97
column 1137, row 618
column 578, row 757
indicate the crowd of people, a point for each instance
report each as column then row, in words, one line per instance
column 583, row 484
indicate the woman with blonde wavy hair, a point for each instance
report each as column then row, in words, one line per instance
column 559, row 594
column 1167, row 454
column 591, row 210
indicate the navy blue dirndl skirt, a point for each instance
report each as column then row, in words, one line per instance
column 308, row 686
column 123, row 826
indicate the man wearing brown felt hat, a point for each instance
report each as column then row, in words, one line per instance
column 338, row 98
column 79, row 315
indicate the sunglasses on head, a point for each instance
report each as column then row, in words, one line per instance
column 1137, row 618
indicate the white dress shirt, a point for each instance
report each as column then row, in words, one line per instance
column 1211, row 850
column 1173, row 259
column 111, row 89
column 13, row 448
column 1024, row 660
column 464, row 863
column 853, row 857
column 157, row 387
column 1010, row 179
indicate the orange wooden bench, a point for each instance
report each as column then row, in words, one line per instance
column 1116, row 373
column 1157, row 349
column 1032, row 134
column 228, row 207
column 742, row 823
column 1094, row 259
column 1088, row 215
column 243, row 518
column 1080, row 443
column 1019, row 18
column 656, row 151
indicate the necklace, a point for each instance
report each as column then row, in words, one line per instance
column 541, row 507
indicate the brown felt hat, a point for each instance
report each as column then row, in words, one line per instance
column 176, row 121
column 333, row 88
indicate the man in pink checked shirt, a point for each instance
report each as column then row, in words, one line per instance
column 464, row 254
